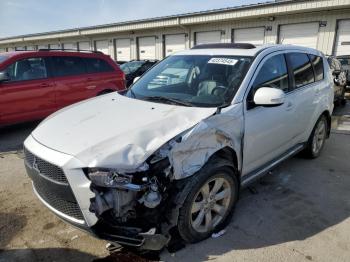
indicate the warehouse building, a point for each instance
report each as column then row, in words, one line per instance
column 321, row 24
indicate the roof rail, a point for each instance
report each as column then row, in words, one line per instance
column 225, row 45
column 74, row 50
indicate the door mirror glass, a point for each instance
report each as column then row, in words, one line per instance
column 267, row 96
column 4, row 76
column 135, row 79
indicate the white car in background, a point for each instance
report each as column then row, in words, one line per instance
column 174, row 155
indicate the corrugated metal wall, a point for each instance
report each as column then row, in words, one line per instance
column 224, row 22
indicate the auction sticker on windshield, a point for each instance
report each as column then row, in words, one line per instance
column 222, row 61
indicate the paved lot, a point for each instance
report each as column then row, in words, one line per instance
column 300, row 212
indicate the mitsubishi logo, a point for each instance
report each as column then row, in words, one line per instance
column 35, row 165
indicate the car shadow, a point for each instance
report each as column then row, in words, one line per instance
column 12, row 137
column 45, row 254
column 298, row 200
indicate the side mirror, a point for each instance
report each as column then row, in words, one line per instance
column 267, row 96
column 135, row 79
column 4, row 76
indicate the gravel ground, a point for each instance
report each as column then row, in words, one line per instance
column 299, row 212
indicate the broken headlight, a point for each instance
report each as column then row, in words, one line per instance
column 108, row 178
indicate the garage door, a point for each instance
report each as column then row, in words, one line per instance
column 122, row 49
column 55, row 46
column 43, row 46
column 208, row 37
column 147, row 47
column 304, row 34
column 2, row 50
column 70, row 46
column 84, row 45
column 10, row 49
column 30, row 47
column 102, row 46
column 20, row 48
column 253, row 36
column 342, row 44
column 174, row 43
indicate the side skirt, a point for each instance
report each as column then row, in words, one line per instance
column 253, row 176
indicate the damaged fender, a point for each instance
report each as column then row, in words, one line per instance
column 210, row 135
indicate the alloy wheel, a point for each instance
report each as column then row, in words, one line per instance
column 211, row 204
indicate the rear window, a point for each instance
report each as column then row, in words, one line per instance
column 302, row 69
column 317, row 63
column 3, row 58
column 97, row 65
column 67, row 66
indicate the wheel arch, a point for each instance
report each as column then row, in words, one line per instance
column 327, row 114
column 229, row 154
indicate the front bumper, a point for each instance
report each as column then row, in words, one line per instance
column 61, row 185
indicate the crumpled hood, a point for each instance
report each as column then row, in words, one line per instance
column 115, row 131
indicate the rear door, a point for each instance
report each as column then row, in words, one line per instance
column 306, row 88
column 101, row 76
column 29, row 94
column 70, row 78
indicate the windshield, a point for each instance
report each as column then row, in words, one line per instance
column 131, row 67
column 193, row 80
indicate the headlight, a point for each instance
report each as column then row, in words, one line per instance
column 108, row 178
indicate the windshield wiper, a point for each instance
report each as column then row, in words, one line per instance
column 167, row 99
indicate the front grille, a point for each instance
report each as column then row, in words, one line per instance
column 66, row 207
column 45, row 168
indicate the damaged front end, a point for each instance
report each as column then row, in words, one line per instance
column 132, row 208
column 141, row 208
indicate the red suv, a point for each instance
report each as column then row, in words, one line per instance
column 34, row 84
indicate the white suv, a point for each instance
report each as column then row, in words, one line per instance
column 173, row 152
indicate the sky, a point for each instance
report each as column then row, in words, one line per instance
column 19, row 17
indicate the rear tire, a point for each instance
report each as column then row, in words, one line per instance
column 209, row 204
column 317, row 139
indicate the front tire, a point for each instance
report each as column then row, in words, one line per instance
column 209, row 204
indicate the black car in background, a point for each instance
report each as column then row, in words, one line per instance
column 345, row 62
column 339, row 78
column 136, row 68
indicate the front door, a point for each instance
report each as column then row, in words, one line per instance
column 29, row 93
column 268, row 130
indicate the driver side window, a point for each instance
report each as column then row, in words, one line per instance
column 273, row 73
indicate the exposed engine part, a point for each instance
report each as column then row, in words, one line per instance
column 114, row 180
column 122, row 203
column 152, row 197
